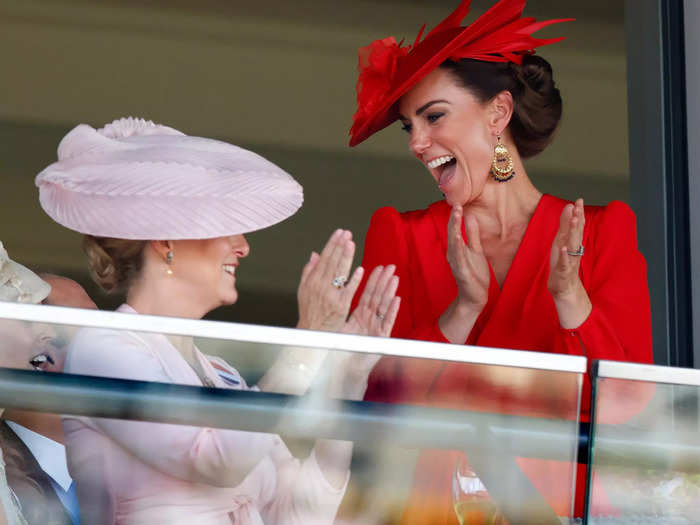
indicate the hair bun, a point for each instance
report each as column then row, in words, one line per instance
column 537, row 101
column 536, row 72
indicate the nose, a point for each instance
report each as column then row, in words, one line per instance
column 241, row 247
column 419, row 141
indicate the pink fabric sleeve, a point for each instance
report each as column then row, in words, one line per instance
column 303, row 495
column 207, row 455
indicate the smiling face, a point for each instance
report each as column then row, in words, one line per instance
column 206, row 269
column 32, row 345
column 451, row 133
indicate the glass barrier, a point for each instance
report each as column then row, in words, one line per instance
column 177, row 421
column 645, row 445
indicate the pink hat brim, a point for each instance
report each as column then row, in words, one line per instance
column 169, row 186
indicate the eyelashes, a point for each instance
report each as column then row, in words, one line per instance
column 432, row 118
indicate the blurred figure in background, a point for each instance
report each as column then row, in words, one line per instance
column 40, row 489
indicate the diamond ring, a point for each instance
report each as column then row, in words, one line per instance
column 339, row 281
column 577, row 253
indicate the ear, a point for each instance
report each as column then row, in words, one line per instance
column 500, row 112
column 161, row 248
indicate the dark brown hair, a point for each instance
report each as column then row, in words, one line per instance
column 113, row 263
column 537, row 101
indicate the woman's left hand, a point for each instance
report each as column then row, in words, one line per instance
column 378, row 306
column 325, row 291
column 570, row 298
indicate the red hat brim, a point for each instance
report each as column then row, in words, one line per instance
column 426, row 57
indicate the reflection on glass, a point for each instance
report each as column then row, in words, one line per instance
column 646, row 453
column 31, row 443
column 517, row 426
column 472, row 502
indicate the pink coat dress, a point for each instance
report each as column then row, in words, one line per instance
column 129, row 472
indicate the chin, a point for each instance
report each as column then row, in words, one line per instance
column 453, row 198
column 229, row 299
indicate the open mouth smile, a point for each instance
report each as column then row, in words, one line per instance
column 440, row 161
column 443, row 169
column 41, row 362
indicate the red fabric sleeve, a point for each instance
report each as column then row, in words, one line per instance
column 619, row 326
column 387, row 243
column 398, row 379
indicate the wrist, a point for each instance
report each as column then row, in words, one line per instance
column 571, row 295
column 467, row 309
column 573, row 307
column 457, row 321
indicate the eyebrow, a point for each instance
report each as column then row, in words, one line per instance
column 424, row 107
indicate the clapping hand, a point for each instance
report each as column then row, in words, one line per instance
column 378, row 306
column 471, row 272
column 467, row 261
column 325, row 293
column 570, row 298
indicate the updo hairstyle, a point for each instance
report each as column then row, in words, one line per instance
column 113, row 263
column 537, row 101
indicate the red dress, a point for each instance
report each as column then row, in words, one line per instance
column 519, row 315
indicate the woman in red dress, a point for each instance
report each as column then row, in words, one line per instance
column 496, row 263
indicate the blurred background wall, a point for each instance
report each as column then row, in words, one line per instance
column 277, row 77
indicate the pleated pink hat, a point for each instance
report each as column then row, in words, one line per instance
column 134, row 179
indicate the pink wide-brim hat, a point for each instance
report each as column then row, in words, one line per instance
column 134, row 179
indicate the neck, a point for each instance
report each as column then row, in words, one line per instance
column 505, row 206
column 162, row 295
column 155, row 302
column 48, row 425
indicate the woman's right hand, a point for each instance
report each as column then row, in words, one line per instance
column 471, row 272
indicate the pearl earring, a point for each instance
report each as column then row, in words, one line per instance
column 168, row 261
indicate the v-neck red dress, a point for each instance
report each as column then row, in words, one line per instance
column 520, row 315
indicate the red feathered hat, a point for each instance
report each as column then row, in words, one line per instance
column 388, row 69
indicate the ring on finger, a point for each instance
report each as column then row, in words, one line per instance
column 380, row 315
column 577, row 253
column 339, row 282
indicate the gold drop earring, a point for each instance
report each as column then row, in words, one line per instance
column 502, row 164
column 168, row 261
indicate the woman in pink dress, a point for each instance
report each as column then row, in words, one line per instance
column 164, row 216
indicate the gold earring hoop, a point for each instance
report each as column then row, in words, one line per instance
column 168, row 261
column 502, row 164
